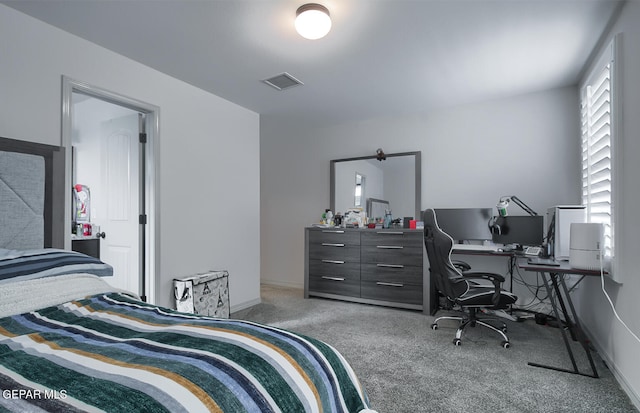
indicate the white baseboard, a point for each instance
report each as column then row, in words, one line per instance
column 251, row 303
column 277, row 283
column 245, row 305
column 628, row 389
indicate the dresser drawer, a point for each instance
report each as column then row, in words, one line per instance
column 383, row 266
column 391, row 273
column 334, row 268
column 334, row 252
column 394, row 292
column 392, row 238
column 388, row 254
column 334, row 236
column 334, row 285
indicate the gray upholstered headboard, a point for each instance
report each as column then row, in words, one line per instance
column 21, row 201
column 31, row 195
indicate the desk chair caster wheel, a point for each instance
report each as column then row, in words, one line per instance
column 504, row 329
column 457, row 342
column 434, row 326
column 506, row 344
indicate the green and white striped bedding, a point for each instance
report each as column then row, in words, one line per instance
column 20, row 265
column 110, row 352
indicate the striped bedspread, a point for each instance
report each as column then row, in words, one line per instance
column 20, row 265
column 109, row 352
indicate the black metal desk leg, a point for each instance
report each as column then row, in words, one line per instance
column 582, row 337
column 553, row 277
column 568, row 321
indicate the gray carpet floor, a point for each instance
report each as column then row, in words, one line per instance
column 405, row 366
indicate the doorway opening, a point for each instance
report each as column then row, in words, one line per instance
column 110, row 174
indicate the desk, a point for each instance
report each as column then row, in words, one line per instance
column 555, row 274
column 471, row 251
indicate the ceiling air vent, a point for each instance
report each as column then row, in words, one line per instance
column 282, row 81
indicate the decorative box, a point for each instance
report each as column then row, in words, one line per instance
column 205, row 294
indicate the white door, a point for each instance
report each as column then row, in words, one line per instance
column 120, row 204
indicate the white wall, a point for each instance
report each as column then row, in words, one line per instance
column 613, row 341
column 471, row 156
column 209, row 148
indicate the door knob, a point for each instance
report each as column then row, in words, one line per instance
column 101, row 235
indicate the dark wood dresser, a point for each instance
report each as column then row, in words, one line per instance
column 372, row 266
column 89, row 246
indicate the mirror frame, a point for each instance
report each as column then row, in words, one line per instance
column 418, row 178
column 372, row 202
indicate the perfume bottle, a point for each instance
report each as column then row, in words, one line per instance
column 387, row 218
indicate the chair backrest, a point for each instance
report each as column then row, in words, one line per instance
column 448, row 280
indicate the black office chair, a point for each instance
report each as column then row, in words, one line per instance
column 459, row 287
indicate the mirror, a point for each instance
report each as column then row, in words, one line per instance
column 366, row 182
column 377, row 208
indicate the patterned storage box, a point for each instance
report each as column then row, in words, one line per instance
column 205, row 294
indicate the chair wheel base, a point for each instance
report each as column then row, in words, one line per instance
column 457, row 342
column 506, row 344
column 434, row 326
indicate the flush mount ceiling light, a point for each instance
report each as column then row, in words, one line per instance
column 313, row 21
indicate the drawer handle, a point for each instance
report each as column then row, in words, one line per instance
column 391, row 265
column 333, row 261
column 332, row 232
column 391, row 233
column 390, row 247
column 333, row 278
column 390, row 284
column 328, row 244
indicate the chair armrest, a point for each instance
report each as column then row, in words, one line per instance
column 484, row 275
column 461, row 265
column 496, row 279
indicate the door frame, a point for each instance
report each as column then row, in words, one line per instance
column 150, row 257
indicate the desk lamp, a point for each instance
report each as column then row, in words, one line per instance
column 504, row 203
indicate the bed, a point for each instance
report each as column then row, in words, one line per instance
column 70, row 342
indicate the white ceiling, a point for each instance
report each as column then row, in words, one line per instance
column 381, row 58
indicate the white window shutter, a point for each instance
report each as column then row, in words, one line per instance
column 597, row 163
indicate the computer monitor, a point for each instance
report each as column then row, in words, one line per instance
column 521, row 230
column 465, row 224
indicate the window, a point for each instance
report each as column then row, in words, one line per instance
column 598, row 136
column 359, row 193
